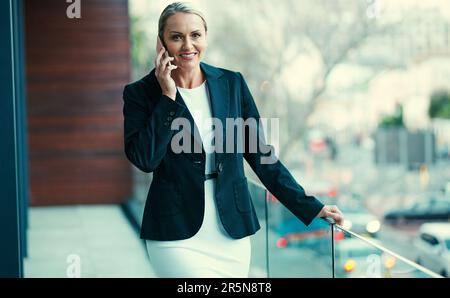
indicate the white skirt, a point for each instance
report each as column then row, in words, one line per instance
column 209, row 253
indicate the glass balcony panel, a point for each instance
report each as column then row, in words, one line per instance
column 295, row 250
column 357, row 257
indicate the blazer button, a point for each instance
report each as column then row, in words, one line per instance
column 169, row 118
column 172, row 113
column 220, row 167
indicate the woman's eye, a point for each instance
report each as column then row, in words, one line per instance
column 178, row 37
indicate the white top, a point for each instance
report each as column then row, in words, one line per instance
column 211, row 252
column 199, row 105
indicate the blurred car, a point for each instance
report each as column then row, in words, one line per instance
column 295, row 232
column 356, row 258
column 356, row 216
column 433, row 247
column 360, row 220
column 434, row 209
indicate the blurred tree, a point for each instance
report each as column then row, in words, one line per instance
column 139, row 47
column 287, row 52
column 439, row 104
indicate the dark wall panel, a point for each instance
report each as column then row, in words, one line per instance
column 13, row 156
column 76, row 70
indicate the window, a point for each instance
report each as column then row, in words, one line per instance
column 429, row 239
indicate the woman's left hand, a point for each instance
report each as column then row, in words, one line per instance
column 333, row 212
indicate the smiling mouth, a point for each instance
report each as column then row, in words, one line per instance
column 188, row 56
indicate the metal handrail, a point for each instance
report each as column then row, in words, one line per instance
column 362, row 238
column 384, row 249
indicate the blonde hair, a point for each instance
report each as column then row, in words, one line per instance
column 173, row 8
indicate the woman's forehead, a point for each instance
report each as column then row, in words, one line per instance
column 184, row 21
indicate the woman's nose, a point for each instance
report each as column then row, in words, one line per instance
column 187, row 44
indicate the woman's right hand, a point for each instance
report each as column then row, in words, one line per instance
column 163, row 69
column 333, row 212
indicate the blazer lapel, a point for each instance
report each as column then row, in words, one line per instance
column 219, row 96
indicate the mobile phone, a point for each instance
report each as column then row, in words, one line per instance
column 159, row 45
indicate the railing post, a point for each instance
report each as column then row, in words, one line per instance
column 266, row 203
column 332, row 249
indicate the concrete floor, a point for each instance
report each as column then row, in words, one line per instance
column 84, row 241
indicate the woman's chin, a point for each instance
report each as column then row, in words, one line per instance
column 186, row 65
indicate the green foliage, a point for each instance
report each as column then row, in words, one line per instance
column 139, row 51
column 395, row 120
column 439, row 104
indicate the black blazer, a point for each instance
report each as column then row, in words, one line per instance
column 175, row 202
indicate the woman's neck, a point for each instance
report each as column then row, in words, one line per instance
column 188, row 79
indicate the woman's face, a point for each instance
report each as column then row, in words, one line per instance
column 185, row 39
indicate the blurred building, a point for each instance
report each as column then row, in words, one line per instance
column 399, row 146
column 411, row 31
column 403, row 61
column 441, row 128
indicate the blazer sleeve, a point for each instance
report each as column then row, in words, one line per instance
column 272, row 173
column 147, row 132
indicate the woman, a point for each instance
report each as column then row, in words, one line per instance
column 199, row 215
